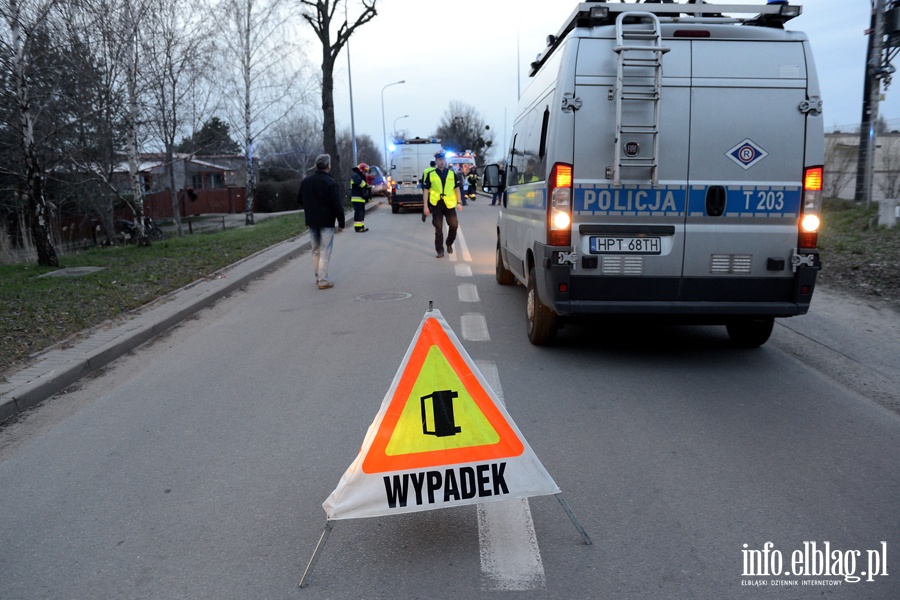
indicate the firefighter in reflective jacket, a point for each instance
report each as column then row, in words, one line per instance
column 472, row 180
column 441, row 197
column 360, row 192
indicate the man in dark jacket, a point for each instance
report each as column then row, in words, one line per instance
column 320, row 197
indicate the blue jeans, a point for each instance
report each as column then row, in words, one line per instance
column 322, row 239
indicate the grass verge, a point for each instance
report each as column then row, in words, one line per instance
column 859, row 256
column 38, row 312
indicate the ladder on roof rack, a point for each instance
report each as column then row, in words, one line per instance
column 638, row 82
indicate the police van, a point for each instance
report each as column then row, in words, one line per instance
column 409, row 159
column 666, row 159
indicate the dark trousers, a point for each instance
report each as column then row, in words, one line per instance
column 438, row 214
column 359, row 214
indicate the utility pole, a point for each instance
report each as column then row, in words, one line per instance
column 350, row 83
column 884, row 43
column 871, row 95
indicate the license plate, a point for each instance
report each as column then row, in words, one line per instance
column 625, row 245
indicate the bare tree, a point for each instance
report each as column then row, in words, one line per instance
column 91, row 141
column 177, row 54
column 24, row 21
column 291, row 148
column 268, row 81
column 367, row 149
column 320, row 14
column 463, row 128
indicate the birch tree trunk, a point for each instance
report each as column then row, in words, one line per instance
column 263, row 86
column 39, row 209
column 247, row 64
column 137, row 189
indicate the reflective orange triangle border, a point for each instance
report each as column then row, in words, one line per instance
column 509, row 445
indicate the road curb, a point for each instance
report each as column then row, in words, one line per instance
column 61, row 366
column 56, row 369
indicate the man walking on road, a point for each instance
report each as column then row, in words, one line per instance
column 440, row 198
column 320, row 197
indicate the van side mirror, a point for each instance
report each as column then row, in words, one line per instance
column 490, row 179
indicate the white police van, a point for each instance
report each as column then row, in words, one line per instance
column 409, row 159
column 666, row 159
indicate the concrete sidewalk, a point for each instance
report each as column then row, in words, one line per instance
column 59, row 367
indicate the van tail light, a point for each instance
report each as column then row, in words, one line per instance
column 559, row 215
column 810, row 216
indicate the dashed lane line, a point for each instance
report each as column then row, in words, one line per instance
column 467, row 292
column 510, row 555
column 474, row 328
column 462, row 248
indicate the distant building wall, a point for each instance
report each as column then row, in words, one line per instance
column 842, row 155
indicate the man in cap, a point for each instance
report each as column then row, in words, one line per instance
column 441, row 198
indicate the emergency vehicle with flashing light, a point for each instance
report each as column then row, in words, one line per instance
column 666, row 160
column 409, row 159
column 461, row 161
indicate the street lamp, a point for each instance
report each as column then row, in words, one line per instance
column 395, row 123
column 383, row 131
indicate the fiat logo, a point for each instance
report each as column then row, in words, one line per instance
column 632, row 149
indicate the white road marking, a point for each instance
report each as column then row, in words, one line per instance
column 463, row 270
column 474, row 328
column 467, row 292
column 510, row 556
column 461, row 247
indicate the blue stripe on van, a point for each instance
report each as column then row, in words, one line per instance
column 751, row 201
column 668, row 200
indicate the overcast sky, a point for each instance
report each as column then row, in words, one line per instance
column 477, row 52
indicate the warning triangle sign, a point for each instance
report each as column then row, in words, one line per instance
column 441, row 438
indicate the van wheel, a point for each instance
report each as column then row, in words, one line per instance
column 504, row 275
column 395, row 208
column 541, row 319
column 750, row 332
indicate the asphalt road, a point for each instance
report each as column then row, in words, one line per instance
column 196, row 466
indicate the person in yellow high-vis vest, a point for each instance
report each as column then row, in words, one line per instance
column 360, row 192
column 441, row 199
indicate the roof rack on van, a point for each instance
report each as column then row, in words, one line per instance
column 418, row 140
column 594, row 14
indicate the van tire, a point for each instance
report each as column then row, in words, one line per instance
column 541, row 320
column 395, row 208
column 750, row 332
column 504, row 275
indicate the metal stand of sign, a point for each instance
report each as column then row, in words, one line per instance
column 315, row 556
column 574, row 519
column 328, row 527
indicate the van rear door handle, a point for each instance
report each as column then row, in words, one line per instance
column 715, row 200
